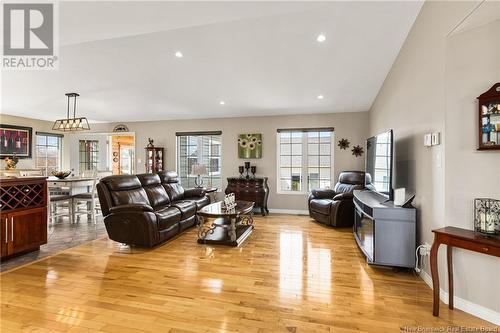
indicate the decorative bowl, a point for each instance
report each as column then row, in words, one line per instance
column 61, row 174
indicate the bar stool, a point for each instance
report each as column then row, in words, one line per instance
column 55, row 203
column 87, row 203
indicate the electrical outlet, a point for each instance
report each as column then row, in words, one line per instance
column 425, row 250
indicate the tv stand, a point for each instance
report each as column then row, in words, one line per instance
column 385, row 233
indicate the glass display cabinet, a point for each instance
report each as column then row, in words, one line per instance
column 154, row 159
column 489, row 119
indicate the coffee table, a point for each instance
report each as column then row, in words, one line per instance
column 216, row 225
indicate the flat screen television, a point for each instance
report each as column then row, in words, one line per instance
column 378, row 164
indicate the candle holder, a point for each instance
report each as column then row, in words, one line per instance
column 247, row 167
column 241, row 169
column 487, row 215
column 253, row 169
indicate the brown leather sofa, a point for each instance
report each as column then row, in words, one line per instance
column 335, row 207
column 148, row 209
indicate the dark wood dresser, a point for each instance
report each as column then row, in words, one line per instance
column 250, row 189
column 23, row 210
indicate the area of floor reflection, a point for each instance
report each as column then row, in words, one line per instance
column 304, row 275
column 290, row 275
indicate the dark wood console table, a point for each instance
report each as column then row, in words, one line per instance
column 461, row 238
column 250, row 189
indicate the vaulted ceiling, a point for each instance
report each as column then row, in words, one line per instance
column 260, row 58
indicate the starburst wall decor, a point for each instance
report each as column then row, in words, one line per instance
column 344, row 144
column 357, row 150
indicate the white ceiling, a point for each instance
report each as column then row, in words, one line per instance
column 261, row 58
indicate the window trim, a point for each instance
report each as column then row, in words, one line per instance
column 304, row 154
column 60, row 150
column 178, row 135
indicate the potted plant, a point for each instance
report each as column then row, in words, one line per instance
column 11, row 163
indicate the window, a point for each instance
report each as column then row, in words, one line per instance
column 305, row 159
column 199, row 148
column 88, row 154
column 48, row 152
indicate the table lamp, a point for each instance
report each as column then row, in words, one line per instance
column 198, row 170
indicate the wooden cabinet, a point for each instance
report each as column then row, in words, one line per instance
column 489, row 119
column 250, row 189
column 154, row 159
column 23, row 217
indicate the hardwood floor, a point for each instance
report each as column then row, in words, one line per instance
column 291, row 275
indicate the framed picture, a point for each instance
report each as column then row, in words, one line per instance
column 250, row 145
column 15, row 140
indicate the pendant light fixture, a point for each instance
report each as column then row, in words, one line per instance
column 71, row 124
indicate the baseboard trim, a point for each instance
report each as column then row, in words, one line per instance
column 464, row 305
column 289, row 211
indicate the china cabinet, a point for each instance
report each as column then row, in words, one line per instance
column 489, row 119
column 154, row 159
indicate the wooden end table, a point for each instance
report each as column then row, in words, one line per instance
column 461, row 238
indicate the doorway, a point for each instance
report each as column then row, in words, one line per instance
column 122, row 154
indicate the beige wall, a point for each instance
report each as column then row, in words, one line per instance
column 472, row 66
column 38, row 126
column 353, row 126
column 432, row 87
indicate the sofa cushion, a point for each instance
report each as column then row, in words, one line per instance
column 156, row 193
column 201, row 202
column 167, row 217
column 322, row 206
column 352, row 177
column 131, row 196
column 186, row 207
column 175, row 191
column 121, row 182
column 347, row 188
column 187, row 223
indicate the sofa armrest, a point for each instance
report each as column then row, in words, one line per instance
column 323, row 193
column 343, row 196
column 131, row 207
column 194, row 192
column 134, row 227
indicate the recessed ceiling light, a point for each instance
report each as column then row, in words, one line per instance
column 321, row 38
column 179, row 54
column 320, row 97
column 222, row 103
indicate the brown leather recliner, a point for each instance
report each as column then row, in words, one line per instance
column 335, row 207
column 148, row 209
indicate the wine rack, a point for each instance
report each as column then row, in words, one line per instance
column 23, row 208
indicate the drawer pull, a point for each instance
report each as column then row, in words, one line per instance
column 6, row 230
column 486, row 249
column 12, row 228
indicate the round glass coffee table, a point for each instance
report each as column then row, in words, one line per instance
column 217, row 225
